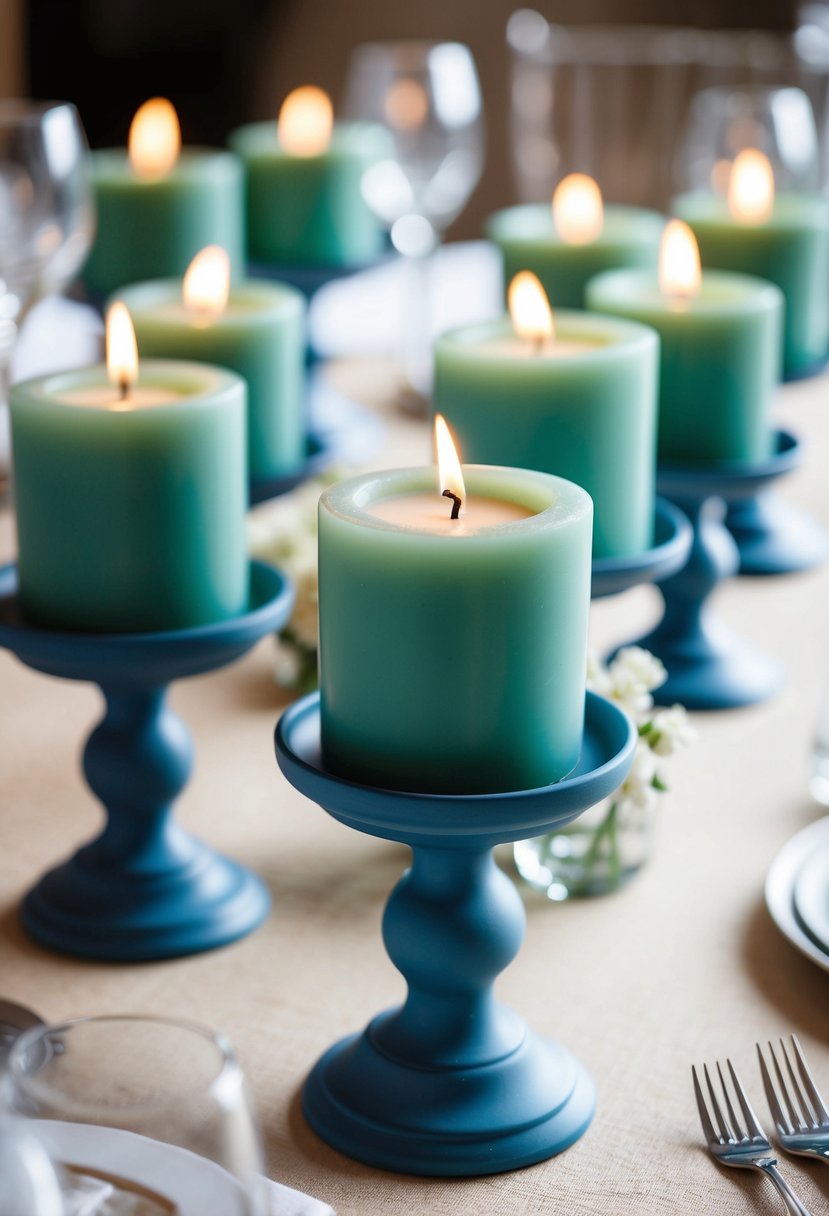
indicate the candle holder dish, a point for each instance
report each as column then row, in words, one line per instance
column 144, row 888
column 339, row 432
column 672, row 538
column 452, row 1083
column 709, row 666
column 773, row 537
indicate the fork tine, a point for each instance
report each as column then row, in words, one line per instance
column 704, row 1118
column 806, row 1115
column 739, row 1134
column 781, row 1120
column 794, row 1117
column 754, row 1128
column 812, row 1089
column 725, row 1130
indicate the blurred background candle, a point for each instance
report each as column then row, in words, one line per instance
column 575, row 396
column 784, row 239
column 304, row 185
column 452, row 650
column 131, row 492
column 254, row 328
column 567, row 245
column 720, row 351
column 159, row 205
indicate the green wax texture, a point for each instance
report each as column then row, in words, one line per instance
column 453, row 662
column 153, row 227
column 310, row 210
column 260, row 335
column 720, row 361
column 791, row 249
column 588, row 415
column 527, row 240
column 131, row 519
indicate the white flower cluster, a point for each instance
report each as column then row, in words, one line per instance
column 629, row 680
column 285, row 533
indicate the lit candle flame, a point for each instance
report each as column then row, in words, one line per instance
column 680, row 276
column 206, row 284
column 751, row 188
column 122, row 349
column 306, row 121
column 155, row 138
column 578, row 213
column 529, row 309
column 449, row 467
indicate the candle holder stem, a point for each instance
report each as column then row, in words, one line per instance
column 451, row 925
column 709, row 666
column 137, row 760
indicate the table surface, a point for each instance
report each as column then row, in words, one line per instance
column 684, row 965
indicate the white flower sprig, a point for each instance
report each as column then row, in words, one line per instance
column 285, row 533
column 629, row 680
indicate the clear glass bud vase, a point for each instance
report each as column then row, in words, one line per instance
column 599, row 852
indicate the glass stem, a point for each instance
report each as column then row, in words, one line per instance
column 417, row 323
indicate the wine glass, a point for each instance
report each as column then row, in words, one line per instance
column 722, row 122
column 428, row 97
column 132, row 1106
column 46, row 216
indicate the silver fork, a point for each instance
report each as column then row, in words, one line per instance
column 749, row 1149
column 802, row 1118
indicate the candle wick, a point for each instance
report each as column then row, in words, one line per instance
column 539, row 343
column 124, row 388
column 456, row 503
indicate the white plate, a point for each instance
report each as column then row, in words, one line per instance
column 780, row 882
column 192, row 1184
column 811, row 895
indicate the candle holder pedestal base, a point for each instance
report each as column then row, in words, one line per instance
column 709, row 666
column 144, row 889
column 452, row 1083
column 773, row 537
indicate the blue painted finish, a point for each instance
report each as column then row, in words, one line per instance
column 774, row 537
column 144, row 888
column 452, row 1083
column 672, row 538
column 709, row 666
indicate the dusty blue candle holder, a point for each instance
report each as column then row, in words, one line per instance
column 672, row 537
column 772, row 536
column 144, row 888
column 709, row 665
column 452, row 1083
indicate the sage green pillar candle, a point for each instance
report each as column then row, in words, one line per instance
column 153, row 227
column 131, row 513
column 719, row 363
column 309, row 210
column 582, row 406
column 527, row 240
column 259, row 333
column 790, row 249
column 452, row 652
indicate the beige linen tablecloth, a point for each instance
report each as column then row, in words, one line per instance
column 682, row 966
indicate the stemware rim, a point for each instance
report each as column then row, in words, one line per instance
column 228, row 1067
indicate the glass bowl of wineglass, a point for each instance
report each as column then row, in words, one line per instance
column 47, row 217
column 427, row 95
